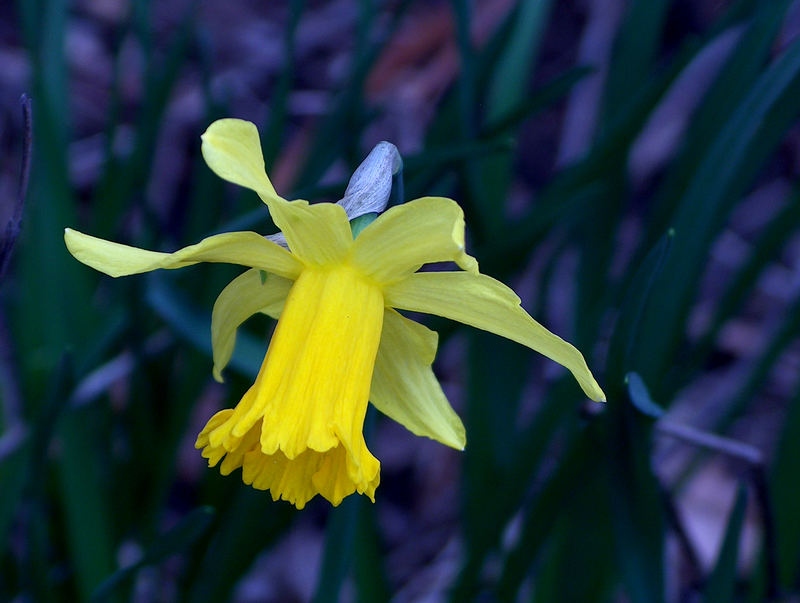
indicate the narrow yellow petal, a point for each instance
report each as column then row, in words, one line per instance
column 232, row 149
column 483, row 302
column 404, row 387
column 318, row 234
column 243, row 248
column 407, row 236
column 244, row 296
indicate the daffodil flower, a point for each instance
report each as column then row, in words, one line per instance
column 340, row 341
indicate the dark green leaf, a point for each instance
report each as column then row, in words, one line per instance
column 517, row 59
column 635, row 52
column 369, row 569
column 636, row 507
column 14, row 468
column 580, row 540
column 338, row 552
column 625, row 341
column 721, row 585
column 178, row 539
column 497, row 375
column 250, row 524
column 786, row 496
column 490, row 180
column 86, row 498
column 539, row 517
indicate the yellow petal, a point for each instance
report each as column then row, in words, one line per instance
column 404, row 387
column 232, row 149
column 318, row 234
column 407, row 236
column 244, row 296
column 483, row 302
column 244, row 248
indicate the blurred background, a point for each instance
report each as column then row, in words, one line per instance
column 628, row 166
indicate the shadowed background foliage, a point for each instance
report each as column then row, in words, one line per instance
column 629, row 166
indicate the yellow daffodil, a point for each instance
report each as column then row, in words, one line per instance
column 339, row 341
